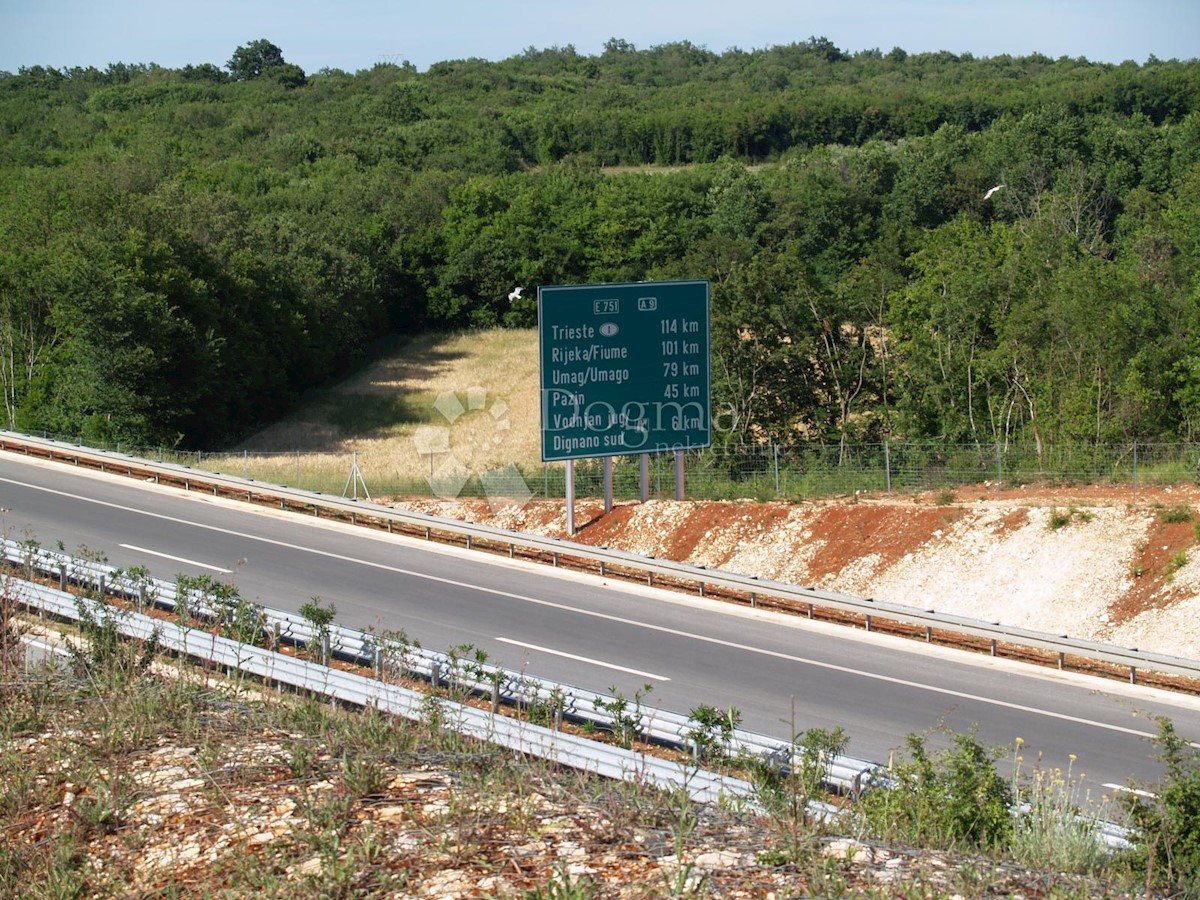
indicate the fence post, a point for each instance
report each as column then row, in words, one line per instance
column 1135, row 469
column 887, row 466
column 775, row 458
column 999, row 468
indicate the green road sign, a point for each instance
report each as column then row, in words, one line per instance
column 624, row 368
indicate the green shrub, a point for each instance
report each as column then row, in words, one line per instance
column 954, row 798
column 1176, row 514
column 1168, row 821
column 1177, row 561
column 712, row 731
column 106, row 653
column 1059, row 518
column 626, row 714
column 320, row 617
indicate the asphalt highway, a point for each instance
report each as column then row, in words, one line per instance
column 784, row 674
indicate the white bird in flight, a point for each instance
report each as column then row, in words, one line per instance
column 516, row 294
column 992, row 191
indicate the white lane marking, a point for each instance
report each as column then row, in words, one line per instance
column 180, row 559
column 1128, row 790
column 44, row 647
column 833, row 667
column 583, row 659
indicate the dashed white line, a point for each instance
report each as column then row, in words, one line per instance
column 584, row 659
column 1128, row 790
column 833, row 667
column 178, row 559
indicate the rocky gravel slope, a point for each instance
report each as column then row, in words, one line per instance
column 1096, row 563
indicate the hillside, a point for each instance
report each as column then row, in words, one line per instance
column 1093, row 563
column 1104, row 563
column 917, row 247
column 1100, row 563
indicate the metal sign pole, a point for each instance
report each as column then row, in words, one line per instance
column 644, row 477
column 608, row 484
column 678, row 474
column 570, row 498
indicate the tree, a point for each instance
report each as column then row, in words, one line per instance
column 259, row 58
column 762, row 351
column 944, row 332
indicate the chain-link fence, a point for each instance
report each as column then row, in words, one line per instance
column 754, row 471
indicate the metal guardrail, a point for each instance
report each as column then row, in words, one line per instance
column 844, row 774
column 869, row 609
column 512, row 734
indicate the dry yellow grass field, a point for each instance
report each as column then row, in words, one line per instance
column 469, row 398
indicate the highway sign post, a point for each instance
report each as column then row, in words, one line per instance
column 624, row 370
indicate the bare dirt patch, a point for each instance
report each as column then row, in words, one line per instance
column 1095, row 562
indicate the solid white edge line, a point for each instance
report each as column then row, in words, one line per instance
column 583, row 659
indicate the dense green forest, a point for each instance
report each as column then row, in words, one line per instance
column 183, row 252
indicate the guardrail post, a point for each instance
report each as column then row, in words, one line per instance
column 1133, row 674
column 928, row 634
column 1061, row 659
column 867, row 620
column 62, row 577
column 701, row 583
column 753, row 599
column 435, row 673
column 993, row 646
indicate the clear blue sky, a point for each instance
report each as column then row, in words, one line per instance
column 357, row 34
